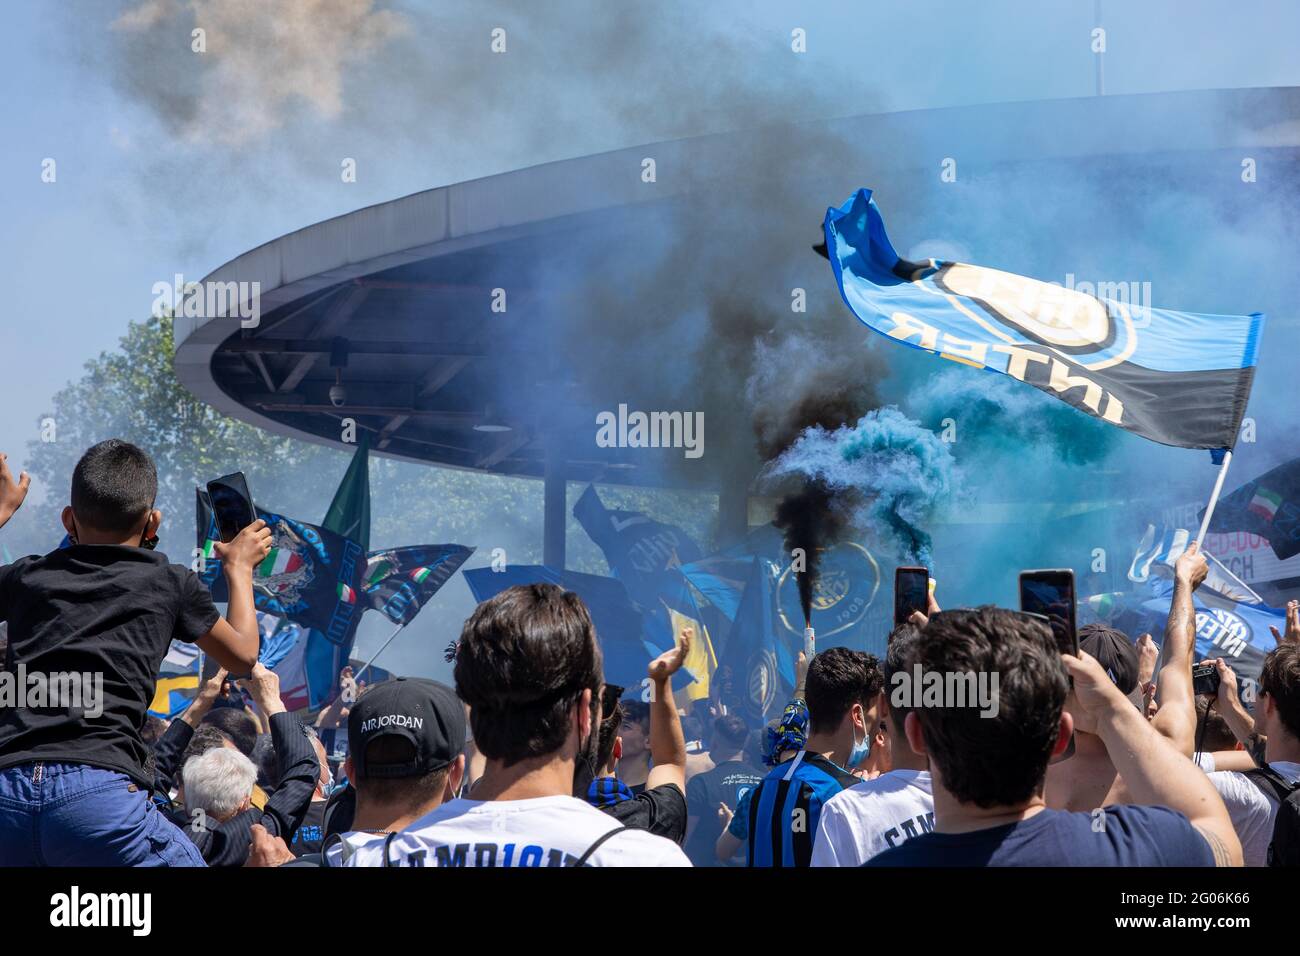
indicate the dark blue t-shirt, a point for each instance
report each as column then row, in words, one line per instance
column 1130, row 836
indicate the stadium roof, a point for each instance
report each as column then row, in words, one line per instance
column 404, row 289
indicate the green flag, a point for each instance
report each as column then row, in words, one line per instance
column 349, row 512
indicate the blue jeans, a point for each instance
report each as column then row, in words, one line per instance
column 58, row 814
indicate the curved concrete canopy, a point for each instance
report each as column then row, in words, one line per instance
column 407, row 285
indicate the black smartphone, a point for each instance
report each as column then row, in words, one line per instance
column 231, row 504
column 1205, row 680
column 911, row 592
column 1050, row 592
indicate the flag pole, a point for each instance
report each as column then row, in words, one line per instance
column 380, row 651
column 1214, row 498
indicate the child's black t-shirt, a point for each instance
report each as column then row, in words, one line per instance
column 91, row 609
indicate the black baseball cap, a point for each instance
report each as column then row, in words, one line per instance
column 422, row 711
column 1117, row 655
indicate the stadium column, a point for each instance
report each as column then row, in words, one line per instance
column 733, row 510
column 555, row 509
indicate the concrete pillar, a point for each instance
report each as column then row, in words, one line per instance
column 555, row 511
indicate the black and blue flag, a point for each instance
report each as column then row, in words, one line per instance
column 311, row 577
column 636, row 547
column 1179, row 378
column 399, row 581
column 1269, row 506
column 617, row 622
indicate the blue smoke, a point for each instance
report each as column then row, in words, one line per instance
column 994, row 414
column 893, row 475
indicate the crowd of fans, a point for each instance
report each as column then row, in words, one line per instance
column 1107, row 758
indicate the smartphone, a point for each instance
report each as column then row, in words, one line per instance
column 1205, row 680
column 335, row 742
column 1050, row 592
column 231, row 504
column 911, row 592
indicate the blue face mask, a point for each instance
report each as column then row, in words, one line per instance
column 860, row 751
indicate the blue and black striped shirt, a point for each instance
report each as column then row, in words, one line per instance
column 785, row 808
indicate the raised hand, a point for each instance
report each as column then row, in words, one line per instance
column 12, row 493
column 266, row 850
column 1292, row 635
column 724, row 815
column 670, row 662
column 248, row 548
column 1191, row 566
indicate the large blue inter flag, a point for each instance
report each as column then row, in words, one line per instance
column 1179, row 378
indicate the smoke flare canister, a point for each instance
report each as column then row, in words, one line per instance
column 809, row 642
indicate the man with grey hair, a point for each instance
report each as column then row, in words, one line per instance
column 219, row 784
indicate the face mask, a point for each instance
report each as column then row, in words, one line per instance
column 584, row 766
column 147, row 543
column 860, row 751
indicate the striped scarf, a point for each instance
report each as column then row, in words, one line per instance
column 607, row 792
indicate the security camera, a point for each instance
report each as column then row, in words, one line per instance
column 338, row 395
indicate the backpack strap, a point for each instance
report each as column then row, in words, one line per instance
column 1271, row 783
column 387, row 842
column 582, row 860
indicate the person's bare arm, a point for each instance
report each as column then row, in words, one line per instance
column 728, row 844
column 801, row 665
column 1148, row 656
column 1228, row 703
column 667, row 742
column 209, row 690
column 234, row 640
column 1176, row 718
column 12, row 492
column 1238, row 760
column 1153, row 770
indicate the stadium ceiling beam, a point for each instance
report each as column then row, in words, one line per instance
column 510, row 444
column 386, row 433
column 443, row 372
column 440, row 375
column 255, row 360
column 339, row 312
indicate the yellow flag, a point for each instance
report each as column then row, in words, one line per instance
column 700, row 660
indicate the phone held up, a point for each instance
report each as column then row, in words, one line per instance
column 231, row 504
column 1049, row 593
column 911, row 592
